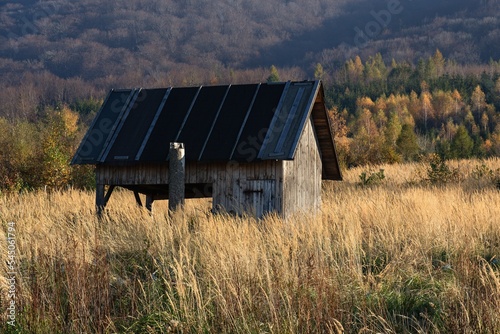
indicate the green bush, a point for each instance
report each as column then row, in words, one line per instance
column 372, row 179
column 439, row 172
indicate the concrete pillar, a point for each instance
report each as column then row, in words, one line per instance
column 176, row 176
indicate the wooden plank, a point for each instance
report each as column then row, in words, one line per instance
column 240, row 177
column 269, row 200
column 257, row 198
column 189, row 175
column 108, row 194
column 194, row 172
column 307, row 193
column 233, row 181
column 149, row 202
column 164, row 174
column 225, row 180
column 309, row 200
column 279, row 187
column 138, row 175
column 205, row 172
column 219, row 186
column 99, row 199
column 284, row 192
column 300, row 165
column 216, row 193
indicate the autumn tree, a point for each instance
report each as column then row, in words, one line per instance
column 426, row 108
column 375, row 69
column 20, row 163
column 339, row 130
column 436, row 65
column 414, row 105
column 319, row 72
column 478, row 100
column 393, row 129
column 367, row 144
column 9, row 175
column 365, row 102
column 442, row 103
column 58, row 145
column 354, row 70
column 457, row 101
column 274, row 75
column 469, row 122
column 484, row 123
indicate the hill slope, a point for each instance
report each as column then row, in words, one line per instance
column 93, row 39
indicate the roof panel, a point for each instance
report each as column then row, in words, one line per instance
column 200, row 120
column 102, row 127
column 168, row 123
column 255, row 129
column 288, row 122
column 225, row 131
column 135, row 126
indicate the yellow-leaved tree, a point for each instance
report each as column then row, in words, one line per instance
column 58, row 145
column 339, row 129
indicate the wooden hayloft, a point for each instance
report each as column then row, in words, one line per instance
column 253, row 148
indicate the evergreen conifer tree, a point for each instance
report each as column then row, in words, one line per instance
column 407, row 143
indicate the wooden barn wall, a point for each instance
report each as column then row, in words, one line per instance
column 132, row 175
column 237, row 187
column 252, row 187
column 302, row 176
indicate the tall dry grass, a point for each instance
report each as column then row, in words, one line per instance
column 400, row 256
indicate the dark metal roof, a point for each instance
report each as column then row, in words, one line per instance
column 241, row 123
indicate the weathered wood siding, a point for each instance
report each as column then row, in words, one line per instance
column 250, row 187
column 237, row 187
column 302, row 176
column 132, row 175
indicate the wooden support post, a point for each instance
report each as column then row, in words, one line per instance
column 108, row 194
column 100, row 201
column 102, row 198
column 176, row 176
column 137, row 198
column 149, row 201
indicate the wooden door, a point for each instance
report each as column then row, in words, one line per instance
column 259, row 197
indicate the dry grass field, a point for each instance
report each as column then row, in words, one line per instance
column 400, row 255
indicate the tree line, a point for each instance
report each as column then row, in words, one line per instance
column 396, row 112
column 381, row 112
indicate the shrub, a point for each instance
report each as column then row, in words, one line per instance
column 439, row 172
column 484, row 175
column 373, row 178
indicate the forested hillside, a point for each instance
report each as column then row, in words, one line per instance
column 403, row 78
column 96, row 40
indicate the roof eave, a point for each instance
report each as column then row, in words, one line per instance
column 324, row 137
